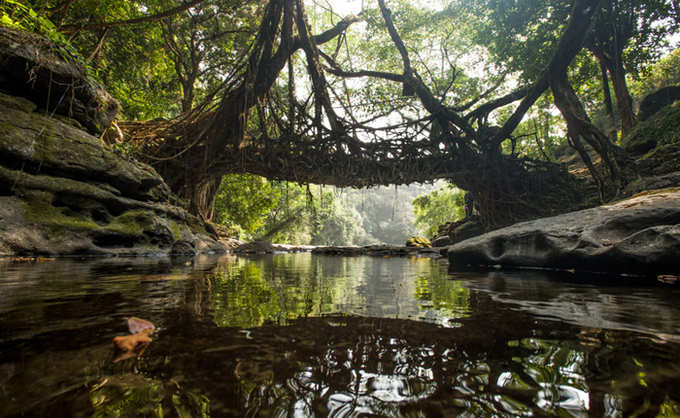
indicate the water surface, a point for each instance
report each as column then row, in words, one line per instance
column 304, row 335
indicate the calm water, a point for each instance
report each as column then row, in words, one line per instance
column 303, row 335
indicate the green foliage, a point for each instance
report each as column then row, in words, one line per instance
column 443, row 205
column 17, row 15
column 282, row 212
column 666, row 72
column 149, row 67
column 519, row 36
column 334, row 223
column 245, row 200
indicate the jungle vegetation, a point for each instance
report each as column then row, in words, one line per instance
column 481, row 93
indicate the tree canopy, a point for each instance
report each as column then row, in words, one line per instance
column 467, row 90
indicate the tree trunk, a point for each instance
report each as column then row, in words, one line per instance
column 202, row 197
column 611, row 129
column 580, row 126
column 623, row 100
column 187, row 95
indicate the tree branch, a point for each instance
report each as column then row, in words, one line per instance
column 488, row 107
column 411, row 79
column 569, row 46
column 336, row 70
column 137, row 20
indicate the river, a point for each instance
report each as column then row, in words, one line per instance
column 306, row 335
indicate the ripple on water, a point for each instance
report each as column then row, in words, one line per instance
column 332, row 336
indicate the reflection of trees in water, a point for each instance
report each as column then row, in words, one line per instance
column 250, row 292
column 351, row 369
column 353, row 366
column 498, row 361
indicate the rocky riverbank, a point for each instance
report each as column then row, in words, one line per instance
column 638, row 235
column 62, row 193
column 381, row 250
column 62, row 190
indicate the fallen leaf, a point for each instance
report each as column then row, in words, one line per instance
column 129, row 342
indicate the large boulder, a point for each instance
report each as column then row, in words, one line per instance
column 639, row 235
column 660, row 129
column 63, row 192
column 465, row 228
column 35, row 142
column 656, row 101
column 32, row 66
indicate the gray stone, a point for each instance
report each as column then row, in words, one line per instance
column 441, row 241
column 639, row 235
column 466, row 229
column 656, row 101
column 36, row 68
column 62, row 193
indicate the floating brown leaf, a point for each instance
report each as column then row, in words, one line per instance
column 130, row 342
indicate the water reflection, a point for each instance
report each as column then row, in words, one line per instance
column 251, row 292
column 300, row 335
column 594, row 301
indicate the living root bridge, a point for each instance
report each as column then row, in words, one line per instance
column 256, row 129
column 506, row 188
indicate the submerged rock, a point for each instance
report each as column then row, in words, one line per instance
column 639, row 235
column 378, row 251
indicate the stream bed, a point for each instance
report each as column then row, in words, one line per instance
column 307, row 335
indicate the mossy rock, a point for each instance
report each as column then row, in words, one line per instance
column 38, row 209
column 418, row 242
column 662, row 128
column 42, row 71
column 40, row 144
column 661, row 160
column 19, row 103
column 63, row 193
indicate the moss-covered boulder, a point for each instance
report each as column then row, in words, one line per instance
column 33, row 142
column 662, row 128
column 656, row 101
column 36, row 68
column 63, row 192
